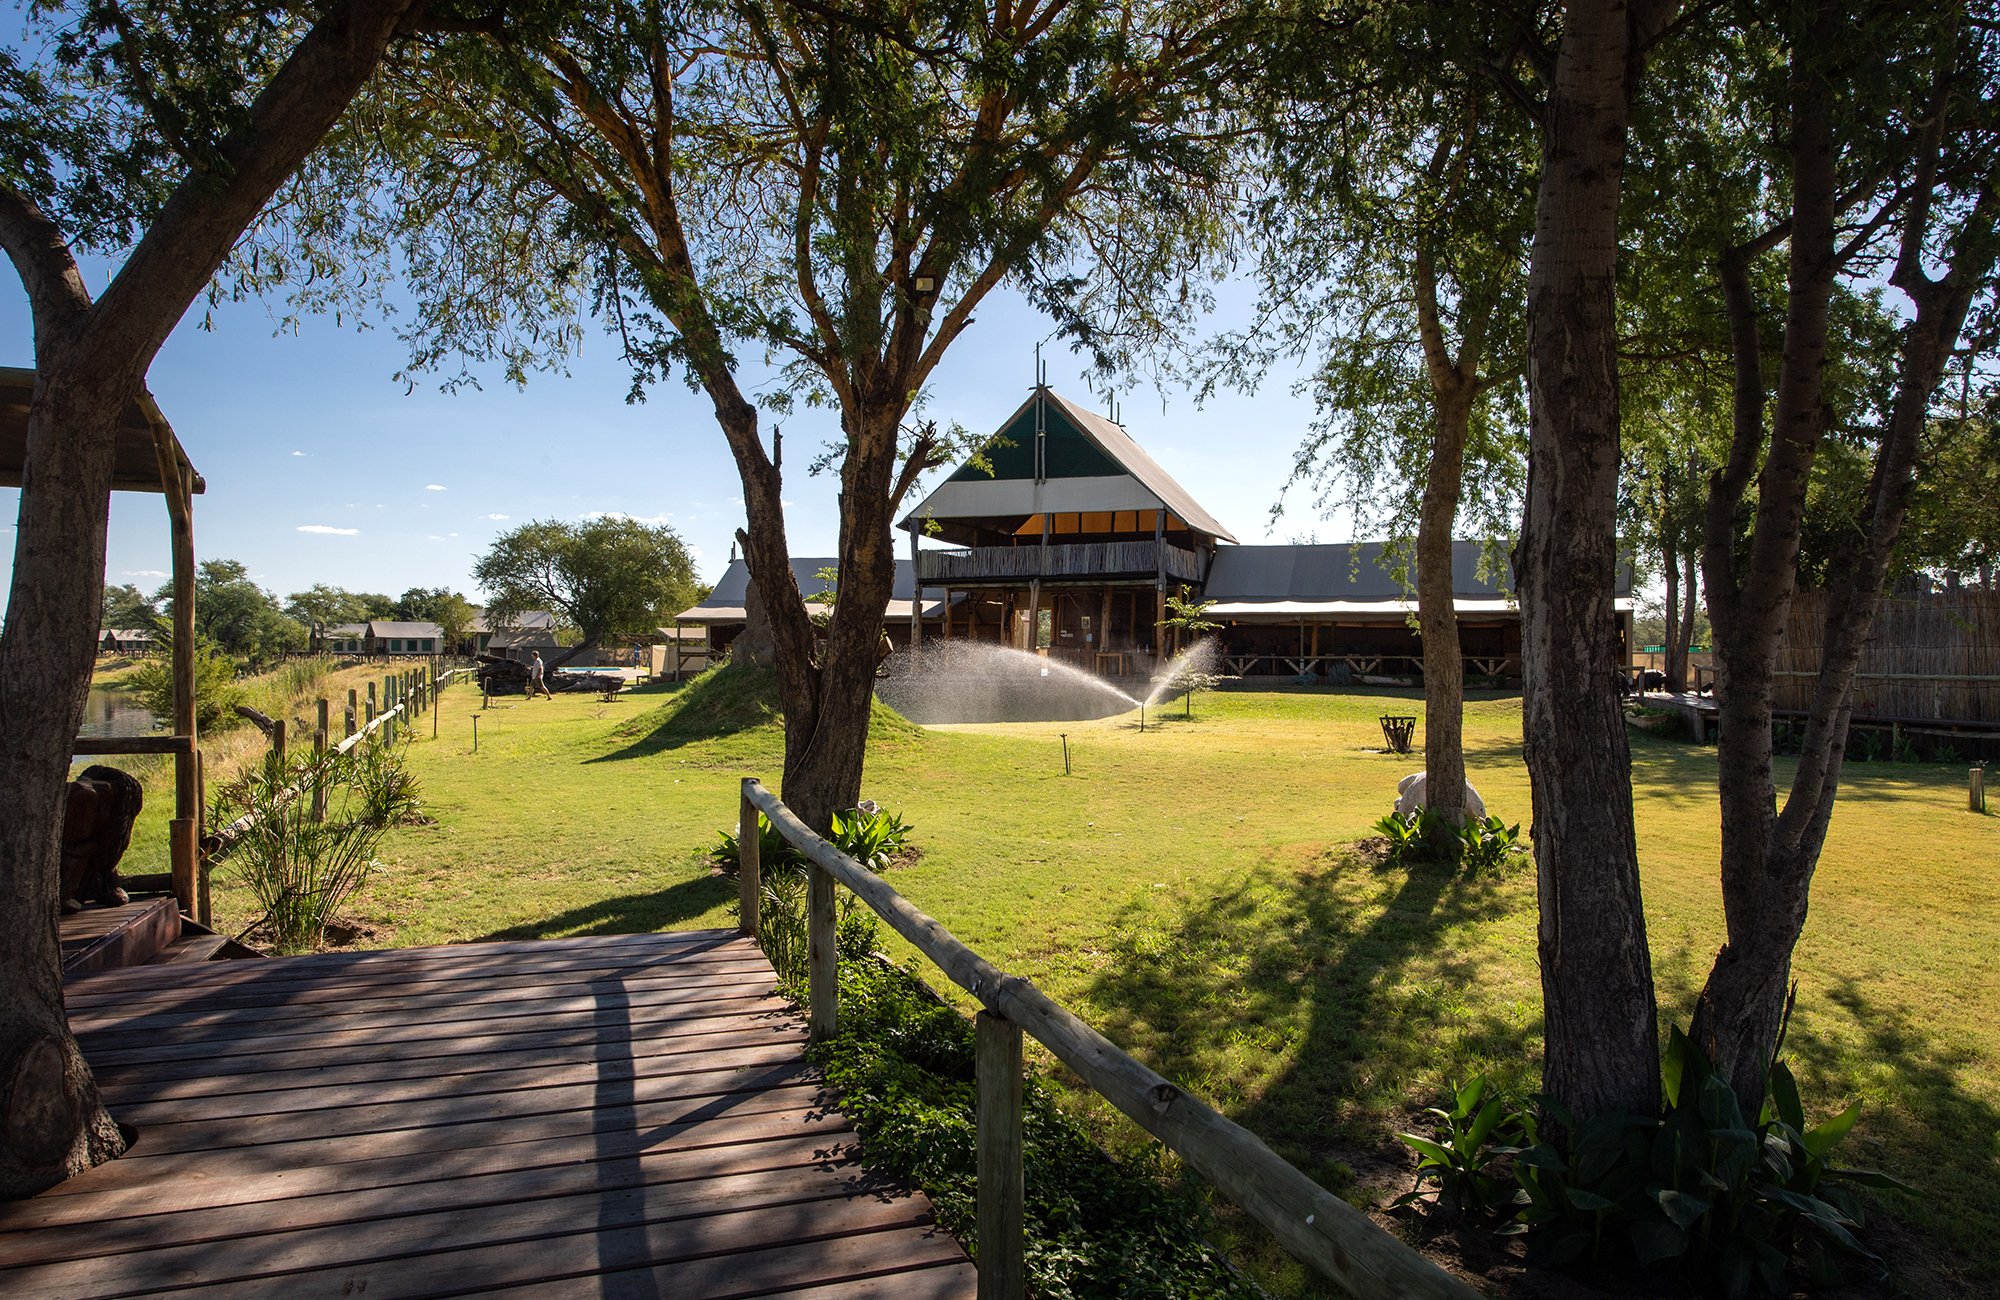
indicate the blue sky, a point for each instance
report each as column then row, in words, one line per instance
column 321, row 468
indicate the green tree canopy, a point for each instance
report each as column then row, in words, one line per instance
column 126, row 606
column 236, row 615
column 606, row 577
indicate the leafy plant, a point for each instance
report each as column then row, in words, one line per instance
column 1488, row 843
column 1480, row 844
column 1726, row 1202
column 389, row 790
column 1401, row 832
column 868, row 833
column 298, row 866
column 1473, row 1133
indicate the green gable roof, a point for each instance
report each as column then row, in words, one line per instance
column 1012, row 450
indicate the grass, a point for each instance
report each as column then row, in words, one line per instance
column 1189, row 892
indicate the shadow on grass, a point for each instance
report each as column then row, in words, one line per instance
column 1945, row 1131
column 662, row 909
column 1314, row 966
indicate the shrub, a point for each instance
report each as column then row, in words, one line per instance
column 868, row 833
column 216, row 692
column 904, row 1065
column 1477, row 844
column 299, row 869
column 1727, row 1203
column 1474, row 1132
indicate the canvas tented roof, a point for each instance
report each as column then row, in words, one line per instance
column 1089, row 464
column 726, row 603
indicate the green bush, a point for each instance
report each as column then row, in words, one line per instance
column 1701, row 1190
column 216, row 692
column 903, row 1063
column 870, row 834
column 1477, row 844
column 1463, row 1156
column 381, row 775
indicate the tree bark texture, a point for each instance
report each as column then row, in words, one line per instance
column 1769, row 854
column 1675, row 669
column 1437, row 615
column 1602, row 1053
column 91, row 359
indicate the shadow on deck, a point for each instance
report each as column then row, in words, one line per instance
column 626, row 1115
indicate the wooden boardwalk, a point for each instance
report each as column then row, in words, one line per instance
column 620, row 1116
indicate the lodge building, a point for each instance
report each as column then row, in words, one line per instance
column 1064, row 537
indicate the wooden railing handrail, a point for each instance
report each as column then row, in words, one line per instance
column 1316, row 1226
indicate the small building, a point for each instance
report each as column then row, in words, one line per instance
column 527, row 631
column 385, row 637
column 721, row 616
column 126, row 641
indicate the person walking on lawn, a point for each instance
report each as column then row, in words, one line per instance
column 536, row 686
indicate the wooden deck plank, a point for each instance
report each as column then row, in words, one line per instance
column 664, row 1072
column 317, row 1000
column 339, row 1040
column 199, row 1183
column 626, row 1116
column 554, row 1005
column 193, row 1064
column 251, row 1080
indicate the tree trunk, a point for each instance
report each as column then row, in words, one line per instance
column 1437, row 618
column 1676, row 664
column 52, row 1123
column 91, row 359
column 1682, row 629
column 1602, row 1053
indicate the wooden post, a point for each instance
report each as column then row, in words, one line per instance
column 201, row 912
column 278, row 729
column 824, row 1019
column 1002, row 1270
column 183, row 844
column 353, row 710
column 182, row 847
column 749, row 868
column 1975, row 790
column 916, row 599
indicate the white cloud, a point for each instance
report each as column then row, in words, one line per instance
column 298, row 453
column 620, row 514
column 441, row 537
column 328, row 530
column 143, row 573
column 433, row 487
column 496, row 516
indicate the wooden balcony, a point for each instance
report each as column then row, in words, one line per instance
column 1069, row 561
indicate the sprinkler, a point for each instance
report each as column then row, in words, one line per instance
column 475, row 733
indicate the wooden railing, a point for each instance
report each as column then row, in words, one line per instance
column 1081, row 560
column 1316, row 1226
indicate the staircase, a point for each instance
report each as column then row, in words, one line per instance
column 143, row 932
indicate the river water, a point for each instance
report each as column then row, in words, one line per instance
column 115, row 713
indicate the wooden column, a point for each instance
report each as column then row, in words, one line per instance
column 749, row 871
column 1160, row 585
column 1034, row 637
column 823, row 1021
column 916, row 597
column 1002, row 1268
column 183, row 831
column 1104, row 622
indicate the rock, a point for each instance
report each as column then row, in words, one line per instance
column 1410, row 797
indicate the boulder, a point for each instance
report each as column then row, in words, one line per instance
column 1410, row 797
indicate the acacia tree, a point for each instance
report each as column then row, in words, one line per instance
column 159, row 131
column 1886, row 155
column 1402, row 187
column 840, row 186
column 605, row 577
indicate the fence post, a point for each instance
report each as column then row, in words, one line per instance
column 749, row 866
column 353, row 711
column 824, row 974
column 278, row 744
column 319, row 762
column 997, row 1054
column 1975, row 790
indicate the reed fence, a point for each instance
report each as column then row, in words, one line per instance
column 1928, row 658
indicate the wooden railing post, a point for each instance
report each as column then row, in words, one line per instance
column 319, row 762
column 353, row 712
column 1002, row 1270
column 822, row 960
column 749, row 867
column 1975, row 789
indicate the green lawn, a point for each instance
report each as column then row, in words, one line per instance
column 1187, row 892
